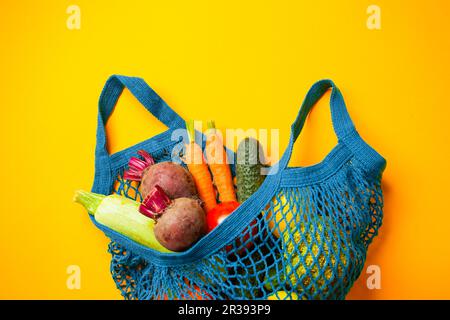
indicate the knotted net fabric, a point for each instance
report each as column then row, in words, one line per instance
column 303, row 235
column 309, row 242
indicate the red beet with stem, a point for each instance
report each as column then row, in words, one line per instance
column 175, row 180
column 179, row 223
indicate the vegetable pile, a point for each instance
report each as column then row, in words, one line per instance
column 181, row 205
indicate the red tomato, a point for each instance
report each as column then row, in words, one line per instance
column 215, row 216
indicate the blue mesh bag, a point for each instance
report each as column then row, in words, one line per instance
column 303, row 235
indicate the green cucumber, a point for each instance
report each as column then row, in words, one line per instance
column 121, row 215
column 248, row 168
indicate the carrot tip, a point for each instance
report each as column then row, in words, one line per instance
column 211, row 124
column 190, row 129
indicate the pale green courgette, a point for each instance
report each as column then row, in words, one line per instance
column 121, row 215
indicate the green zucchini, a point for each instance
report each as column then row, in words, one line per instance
column 121, row 215
column 248, row 168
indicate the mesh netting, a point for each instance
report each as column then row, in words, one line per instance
column 309, row 242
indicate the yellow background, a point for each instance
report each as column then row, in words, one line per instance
column 247, row 64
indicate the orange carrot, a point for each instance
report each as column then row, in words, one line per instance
column 217, row 161
column 199, row 169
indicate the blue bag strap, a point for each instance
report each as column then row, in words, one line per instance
column 342, row 123
column 111, row 92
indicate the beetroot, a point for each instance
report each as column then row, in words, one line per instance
column 179, row 222
column 181, row 225
column 175, row 180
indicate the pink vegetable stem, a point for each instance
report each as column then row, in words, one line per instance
column 137, row 166
column 155, row 203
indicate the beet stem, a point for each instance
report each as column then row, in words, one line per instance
column 137, row 166
column 155, row 203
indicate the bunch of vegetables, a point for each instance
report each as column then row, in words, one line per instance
column 170, row 218
column 180, row 206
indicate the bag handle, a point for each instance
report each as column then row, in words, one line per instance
column 342, row 123
column 110, row 94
